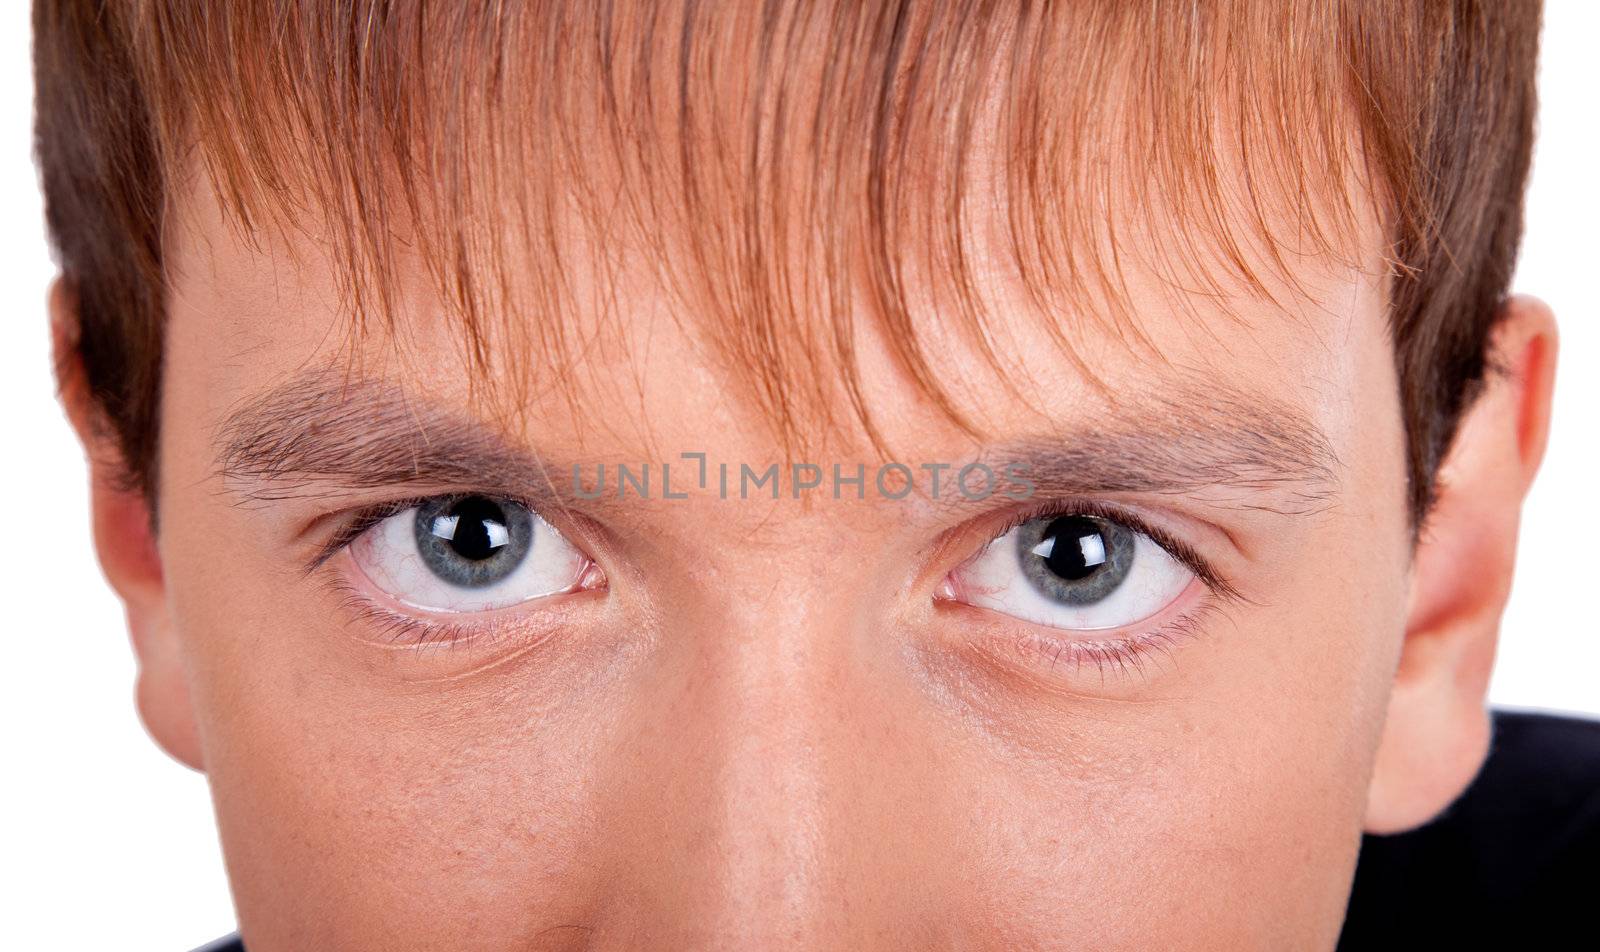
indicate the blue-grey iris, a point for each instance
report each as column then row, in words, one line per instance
column 1075, row 560
column 473, row 541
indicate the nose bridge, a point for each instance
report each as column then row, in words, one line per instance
column 764, row 675
column 777, row 664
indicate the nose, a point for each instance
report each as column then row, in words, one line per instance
column 772, row 772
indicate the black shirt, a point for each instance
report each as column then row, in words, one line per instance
column 1513, row 864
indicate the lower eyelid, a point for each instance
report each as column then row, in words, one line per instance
column 1057, row 653
column 395, row 629
column 365, row 605
column 1127, row 651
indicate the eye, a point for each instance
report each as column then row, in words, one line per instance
column 1072, row 571
column 466, row 554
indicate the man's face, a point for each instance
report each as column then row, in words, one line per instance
column 1136, row 709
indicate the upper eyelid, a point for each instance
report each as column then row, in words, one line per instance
column 360, row 519
column 1132, row 519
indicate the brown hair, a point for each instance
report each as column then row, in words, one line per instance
column 740, row 134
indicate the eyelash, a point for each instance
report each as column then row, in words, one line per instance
column 406, row 631
column 1179, row 549
column 360, row 522
column 1119, row 655
column 400, row 629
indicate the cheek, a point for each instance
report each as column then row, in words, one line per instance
column 410, row 814
column 1227, row 815
column 1222, row 807
column 398, row 827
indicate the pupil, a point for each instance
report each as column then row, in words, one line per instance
column 475, row 528
column 1079, row 549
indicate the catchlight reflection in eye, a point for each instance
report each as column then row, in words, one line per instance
column 467, row 554
column 1077, row 572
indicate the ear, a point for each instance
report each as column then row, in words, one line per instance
column 1437, row 731
column 125, row 542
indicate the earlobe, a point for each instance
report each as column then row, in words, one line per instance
column 1437, row 729
column 125, row 544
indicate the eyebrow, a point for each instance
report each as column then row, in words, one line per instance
column 1265, row 460
column 321, row 434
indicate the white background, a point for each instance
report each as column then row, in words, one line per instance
column 107, row 841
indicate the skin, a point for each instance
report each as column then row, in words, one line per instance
column 768, row 726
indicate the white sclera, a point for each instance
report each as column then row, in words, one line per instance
column 388, row 554
column 995, row 581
